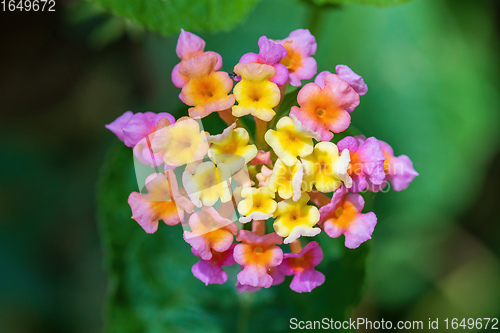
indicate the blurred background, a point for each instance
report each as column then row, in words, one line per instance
column 432, row 71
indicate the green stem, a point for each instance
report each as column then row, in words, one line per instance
column 260, row 132
column 316, row 16
column 243, row 313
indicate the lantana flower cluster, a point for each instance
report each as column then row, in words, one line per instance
column 257, row 199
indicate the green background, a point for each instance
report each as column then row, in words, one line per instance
column 432, row 73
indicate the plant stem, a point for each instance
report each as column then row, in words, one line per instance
column 259, row 227
column 295, row 246
column 318, row 198
column 227, row 116
column 260, row 131
column 316, row 16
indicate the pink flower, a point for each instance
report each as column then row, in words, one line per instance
column 210, row 231
column 398, row 170
column 132, row 128
column 367, row 161
column 324, row 109
column 263, row 176
column 117, row 125
column 162, row 202
column 343, row 216
column 346, row 74
column 189, row 45
column 257, row 254
column 277, row 276
column 270, row 53
column 263, row 157
column 210, row 271
column 301, row 265
column 135, row 130
column 300, row 45
column 353, row 79
column 244, row 287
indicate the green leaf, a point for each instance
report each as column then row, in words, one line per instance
column 169, row 16
column 151, row 287
column 364, row 2
column 284, row 108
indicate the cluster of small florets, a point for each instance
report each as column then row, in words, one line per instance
column 240, row 196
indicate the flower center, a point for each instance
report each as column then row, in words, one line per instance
column 320, row 112
column 339, row 211
column 293, row 59
column 258, row 250
column 257, row 203
column 230, row 148
column 324, row 167
column 254, row 96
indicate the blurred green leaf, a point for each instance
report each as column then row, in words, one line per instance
column 151, row 287
column 169, row 16
column 365, row 2
column 421, row 105
column 285, row 106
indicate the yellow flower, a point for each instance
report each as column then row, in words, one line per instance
column 286, row 180
column 206, row 90
column 295, row 219
column 183, row 142
column 325, row 169
column 257, row 204
column 290, row 140
column 208, row 184
column 232, row 148
column 255, row 94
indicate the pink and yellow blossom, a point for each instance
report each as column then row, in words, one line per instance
column 323, row 110
column 257, row 254
column 255, row 93
column 301, row 266
column 209, row 231
column 270, row 53
column 300, row 45
column 348, row 75
column 342, row 216
column 162, row 202
column 189, row 45
column 207, row 90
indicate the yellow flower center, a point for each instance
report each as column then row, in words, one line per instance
column 293, row 59
column 257, row 203
column 255, row 95
column 344, row 214
column 161, row 208
column 301, row 263
column 339, row 211
column 320, row 112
